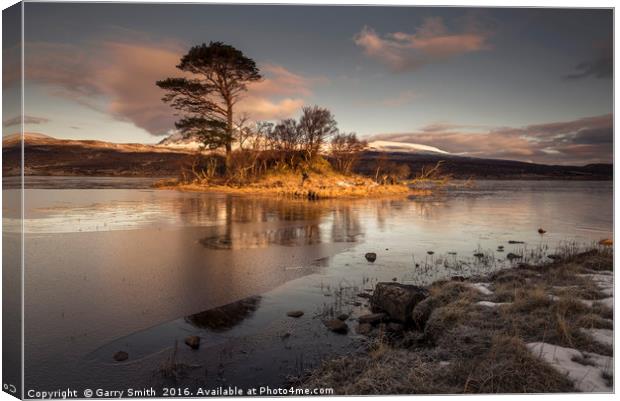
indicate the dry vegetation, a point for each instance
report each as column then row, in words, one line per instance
column 461, row 346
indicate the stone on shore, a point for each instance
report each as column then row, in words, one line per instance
column 397, row 300
column 337, row 326
column 422, row 311
column 371, row 256
column 193, row 342
column 295, row 313
column 373, row 318
column 120, row 356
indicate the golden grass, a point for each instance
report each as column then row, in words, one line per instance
column 324, row 185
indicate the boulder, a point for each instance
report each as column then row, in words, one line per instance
column 343, row 317
column 337, row 326
column 295, row 313
column 373, row 318
column 193, row 342
column 422, row 311
column 120, row 356
column 397, row 300
column 371, row 256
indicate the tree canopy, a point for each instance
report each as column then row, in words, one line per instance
column 217, row 75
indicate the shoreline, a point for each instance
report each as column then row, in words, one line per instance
column 529, row 328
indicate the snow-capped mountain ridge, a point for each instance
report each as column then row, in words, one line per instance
column 403, row 147
column 179, row 142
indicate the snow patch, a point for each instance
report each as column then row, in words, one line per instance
column 587, row 378
column 491, row 304
column 603, row 336
column 389, row 146
column 483, row 288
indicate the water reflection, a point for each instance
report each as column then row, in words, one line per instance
column 225, row 317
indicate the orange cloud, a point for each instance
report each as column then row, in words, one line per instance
column 430, row 43
column 123, row 75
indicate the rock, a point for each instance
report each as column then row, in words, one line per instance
column 397, row 300
column 516, row 242
column 395, row 328
column 364, row 328
column 371, row 256
column 422, row 311
column 295, row 313
column 337, row 326
column 364, row 295
column 372, row 318
column 511, row 256
column 541, row 231
column 430, row 252
column 479, row 254
column 343, row 317
column 193, row 342
column 121, row 356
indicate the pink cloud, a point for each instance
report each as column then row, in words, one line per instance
column 431, row 43
column 122, row 75
column 581, row 141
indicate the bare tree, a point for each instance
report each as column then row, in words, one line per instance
column 316, row 125
column 346, row 150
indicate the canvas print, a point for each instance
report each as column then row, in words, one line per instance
column 208, row 200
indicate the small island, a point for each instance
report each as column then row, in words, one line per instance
column 307, row 158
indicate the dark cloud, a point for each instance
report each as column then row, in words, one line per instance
column 9, row 122
column 600, row 66
column 582, row 141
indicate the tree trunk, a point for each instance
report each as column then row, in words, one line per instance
column 230, row 131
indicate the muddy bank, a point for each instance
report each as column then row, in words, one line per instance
column 529, row 329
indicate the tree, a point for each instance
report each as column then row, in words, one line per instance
column 316, row 125
column 345, row 150
column 220, row 74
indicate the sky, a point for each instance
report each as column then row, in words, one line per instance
column 525, row 84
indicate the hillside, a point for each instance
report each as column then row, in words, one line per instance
column 45, row 155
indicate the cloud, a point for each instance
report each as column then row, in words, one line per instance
column 430, row 43
column 118, row 78
column 601, row 65
column 9, row 122
column 581, row 141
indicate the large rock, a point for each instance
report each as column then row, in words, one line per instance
column 337, row 326
column 422, row 311
column 371, row 256
column 397, row 300
column 373, row 318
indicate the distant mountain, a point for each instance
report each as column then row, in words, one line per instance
column 179, row 141
column 403, row 147
column 45, row 155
